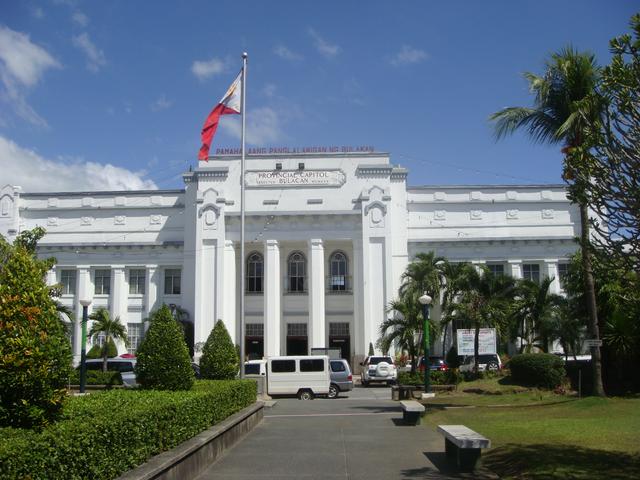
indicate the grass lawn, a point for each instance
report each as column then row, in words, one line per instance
column 585, row 438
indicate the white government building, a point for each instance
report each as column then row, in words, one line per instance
column 328, row 236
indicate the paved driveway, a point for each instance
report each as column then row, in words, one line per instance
column 359, row 436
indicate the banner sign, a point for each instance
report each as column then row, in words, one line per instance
column 297, row 150
column 295, row 178
column 486, row 341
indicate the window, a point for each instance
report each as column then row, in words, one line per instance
column 283, row 366
column 338, row 272
column 135, row 332
column 255, row 273
column 252, row 369
column 172, row 281
column 496, row 269
column 68, row 281
column 338, row 329
column 136, row 281
column 254, row 330
column 296, row 329
column 563, row 272
column 296, row 272
column 102, row 282
column 531, row 271
column 99, row 339
column 312, row 365
column 337, row 366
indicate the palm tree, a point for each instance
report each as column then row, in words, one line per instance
column 455, row 278
column 110, row 327
column 534, row 312
column 566, row 111
column 485, row 302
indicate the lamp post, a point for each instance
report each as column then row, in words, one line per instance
column 425, row 300
column 83, row 350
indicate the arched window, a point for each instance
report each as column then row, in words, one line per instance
column 296, row 272
column 338, row 271
column 255, row 273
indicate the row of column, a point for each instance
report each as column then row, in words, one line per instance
column 550, row 269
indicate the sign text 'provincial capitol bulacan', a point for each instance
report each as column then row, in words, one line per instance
column 292, row 178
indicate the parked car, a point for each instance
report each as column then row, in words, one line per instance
column 123, row 365
column 489, row 361
column 341, row 377
column 378, row 369
column 304, row 376
column 435, row 364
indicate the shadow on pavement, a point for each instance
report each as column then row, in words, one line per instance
column 379, row 408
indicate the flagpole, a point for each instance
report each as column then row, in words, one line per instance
column 242, row 269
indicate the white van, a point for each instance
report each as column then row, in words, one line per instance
column 304, row 376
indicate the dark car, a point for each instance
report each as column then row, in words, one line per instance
column 435, row 364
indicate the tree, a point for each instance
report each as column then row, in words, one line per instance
column 616, row 195
column 219, row 359
column 111, row 328
column 96, row 350
column 485, row 302
column 455, row 278
column 35, row 354
column 534, row 311
column 371, row 350
column 163, row 361
column 566, row 109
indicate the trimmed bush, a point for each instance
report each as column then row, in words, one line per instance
column 35, row 354
column 97, row 377
column 96, row 351
column 219, row 359
column 104, row 434
column 542, row 370
column 163, row 361
column 447, row 377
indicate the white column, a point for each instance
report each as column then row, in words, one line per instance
column 84, row 290
column 51, row 277
column 551, row 271
column 316, row 294
column 272, row 312
column 516, row 268
column 119, row 293
column 229, row 316
column 359, row 349
column 152, row 280
column 477, row 264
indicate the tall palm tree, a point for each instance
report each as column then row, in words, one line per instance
column 455, row 279
column 110, row 327
column 534, row 313
column 566, row 111
column 404, row 329
column 485, row 302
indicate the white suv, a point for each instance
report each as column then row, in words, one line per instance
column 378, row 369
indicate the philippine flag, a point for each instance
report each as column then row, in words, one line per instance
column 230, row 103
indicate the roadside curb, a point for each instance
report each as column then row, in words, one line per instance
column 195, row 455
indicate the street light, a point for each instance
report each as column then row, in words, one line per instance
column 83, row 351
column 425, row 300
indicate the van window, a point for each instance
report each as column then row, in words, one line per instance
column 337, row 367
column 312, row 365
column 252, row 369
column 120, row 366
column 283, row 366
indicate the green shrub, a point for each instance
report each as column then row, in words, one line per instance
column 542, row 370
column 452, row 359
column 96, row 351
column 437, row 377
column 131, row 427
column 97, row 377
column 163, row 361
column 35, row 354
column 219, row 359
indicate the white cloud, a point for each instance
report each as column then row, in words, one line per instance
column 408, row 56
column 162, row 103
column 287, row 54
column 263, row 126
column 34, row 173
column 325, row 48
column 22, row 65
column 95, row 57
column 204, row 69
column 80, row 19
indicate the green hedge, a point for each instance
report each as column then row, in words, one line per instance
column 437, row 377
column 97, row 377
column 542, row 370
column 102, row 435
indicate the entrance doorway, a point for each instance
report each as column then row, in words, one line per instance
column 297, row 340
column 339, row 337
column 254, row 341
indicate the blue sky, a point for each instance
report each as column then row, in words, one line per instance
column 113, row 94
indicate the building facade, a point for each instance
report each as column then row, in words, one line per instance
column 328, row 236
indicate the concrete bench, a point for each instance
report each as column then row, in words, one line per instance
column 411, row 411
column 463, row 445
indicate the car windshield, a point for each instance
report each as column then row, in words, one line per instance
column 377, row 360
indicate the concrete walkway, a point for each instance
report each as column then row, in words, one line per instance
column 359, row 436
